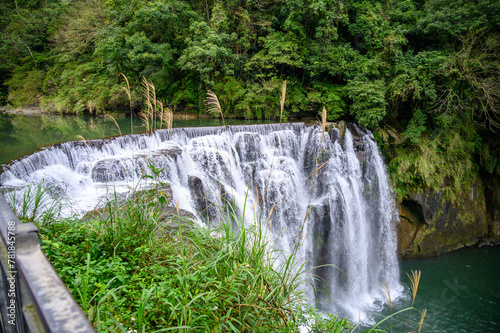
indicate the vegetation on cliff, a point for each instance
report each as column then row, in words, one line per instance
column 428, row 68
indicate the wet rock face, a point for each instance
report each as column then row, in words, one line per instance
column 492, row 198
column 110, row 170
column 173, row 151
column 248, row 146
column 153, row 191
column 201, row 199
column 321, row 229
column 431, row 225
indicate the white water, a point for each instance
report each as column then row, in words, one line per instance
column 350, row 224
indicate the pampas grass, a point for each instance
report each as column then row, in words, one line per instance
column 282, row 99
column 323, row 123
column 414, row 281
column 422, row 317
column 127, row 91
column 110, row 117
column 147, row 113
column 154, row 109
column 83, row 140
column 213, row 105
column 387, row 290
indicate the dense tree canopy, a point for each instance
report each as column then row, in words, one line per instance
column 422, row 66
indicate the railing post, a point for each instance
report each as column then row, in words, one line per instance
column 33, row 298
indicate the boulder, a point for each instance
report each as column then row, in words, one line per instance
column 111, row 170
column 164, row 189
column 172, row 219
column 172, row 151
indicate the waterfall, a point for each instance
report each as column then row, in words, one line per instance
column 329, row 193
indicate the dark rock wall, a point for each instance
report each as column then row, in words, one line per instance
column 430, row 225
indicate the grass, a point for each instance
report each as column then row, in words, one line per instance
column 185, row 280
column 130, row 272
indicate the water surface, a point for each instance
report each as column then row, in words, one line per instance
column 23, row 134
column 460, row 290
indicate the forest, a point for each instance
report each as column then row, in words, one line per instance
column 429, row 69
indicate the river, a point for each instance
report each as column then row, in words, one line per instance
column 23, row 134
column 460, row 290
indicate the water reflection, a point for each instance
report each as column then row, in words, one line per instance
column 22, row 134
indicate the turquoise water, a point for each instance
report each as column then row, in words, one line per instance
column 460, row 290
column 22, row 134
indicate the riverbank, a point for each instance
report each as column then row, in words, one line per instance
column 38, row 111
column 29, row 111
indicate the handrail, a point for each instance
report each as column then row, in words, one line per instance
column 33, row 298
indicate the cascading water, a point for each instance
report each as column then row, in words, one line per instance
column 329, row 193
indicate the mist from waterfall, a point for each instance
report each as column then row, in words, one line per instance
column 329, row 195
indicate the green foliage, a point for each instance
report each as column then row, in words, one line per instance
column 404, row 63
column 185, row 279
column 38, row 203
column 330, row 96
column 447, row 20
column 413, row 78
column 26, row 88
column 207, row 53
column 368, row 101
column 372, row 25
column 230, row 93
column 416, row 127
column 261, row 100
column 279, row 49
column 442, row 162
column 473, row 81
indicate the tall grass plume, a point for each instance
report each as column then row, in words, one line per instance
column 414, row 282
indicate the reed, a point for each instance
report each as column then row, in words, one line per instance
column 147, row 112
column 112, row 119
column 323, row 123
column 422, row 317
column 129, row 95
column 282, row 99
column 414, row 282
column 213, row 105
column 83, row 140
column 154, row 105
column 166, row 116
column 387, row 295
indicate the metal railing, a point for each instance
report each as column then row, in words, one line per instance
column 33, row 298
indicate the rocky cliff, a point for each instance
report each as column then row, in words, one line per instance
column 431, row 224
